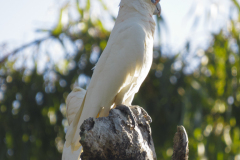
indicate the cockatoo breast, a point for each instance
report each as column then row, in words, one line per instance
column 141, row 17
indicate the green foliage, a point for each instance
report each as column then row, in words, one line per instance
column 206, row 101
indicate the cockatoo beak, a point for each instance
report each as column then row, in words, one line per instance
column 157, row 10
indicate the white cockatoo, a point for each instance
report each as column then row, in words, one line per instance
column 121, row 69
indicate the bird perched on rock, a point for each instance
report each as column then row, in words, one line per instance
column 122, row 67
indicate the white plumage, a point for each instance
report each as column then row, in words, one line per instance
column 73, row 102
column 121, row 69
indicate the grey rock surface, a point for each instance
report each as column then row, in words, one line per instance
column 119, row 136
column 180, row 147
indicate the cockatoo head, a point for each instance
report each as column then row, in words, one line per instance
column 145, row 7
column 158, row 7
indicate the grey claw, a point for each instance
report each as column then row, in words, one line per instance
column 127, row 110
column 146, row 116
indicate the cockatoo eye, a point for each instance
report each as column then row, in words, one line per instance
column 155, row 1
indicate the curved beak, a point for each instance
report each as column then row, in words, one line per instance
column 157, row 10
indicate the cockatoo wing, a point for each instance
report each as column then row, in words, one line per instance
column 73, row 102
column 119, row 65
column 69, row 155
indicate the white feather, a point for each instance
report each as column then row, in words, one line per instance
column 69, row 155
column 122, row 67
column 73, row 102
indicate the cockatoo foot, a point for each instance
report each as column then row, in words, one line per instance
column 146, row 116
column 128, row 110
column 101, row 109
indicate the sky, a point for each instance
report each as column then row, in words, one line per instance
column 19, row 20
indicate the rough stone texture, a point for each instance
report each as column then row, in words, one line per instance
column 180, row 147
column 115, row 137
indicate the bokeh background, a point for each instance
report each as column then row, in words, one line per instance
column 47, row 47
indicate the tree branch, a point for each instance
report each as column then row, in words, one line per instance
column 22, row 48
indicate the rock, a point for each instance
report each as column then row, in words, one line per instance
column 180, row 147
column 117, row 137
